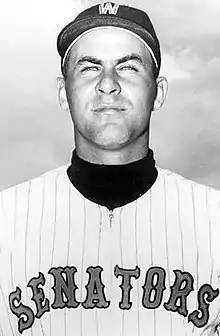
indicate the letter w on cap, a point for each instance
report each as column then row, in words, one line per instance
column 108, row 7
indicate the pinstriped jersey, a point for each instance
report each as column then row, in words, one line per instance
column 69, row 266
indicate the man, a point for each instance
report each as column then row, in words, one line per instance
column 113, row 246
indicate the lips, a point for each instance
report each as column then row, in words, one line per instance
column 109, row 108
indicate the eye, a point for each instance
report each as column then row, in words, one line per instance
column 128, row 68
column 90, row 68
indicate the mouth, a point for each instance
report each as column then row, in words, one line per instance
column 109, row 109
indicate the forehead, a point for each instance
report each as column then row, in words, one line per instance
column 110, row 42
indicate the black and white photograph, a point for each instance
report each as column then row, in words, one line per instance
column 110, row 168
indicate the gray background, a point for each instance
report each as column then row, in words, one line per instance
column 36, row 135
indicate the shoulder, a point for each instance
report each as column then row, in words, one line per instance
column 33, row 189
column 195, row 203
column 190, row 199
column 182, row 183
column 45, row 176
column 197, row 206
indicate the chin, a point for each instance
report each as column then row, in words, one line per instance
column 112, row 136
column 112, row 143
column 111, row 146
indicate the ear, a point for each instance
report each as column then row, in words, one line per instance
column 62, row 93
column 162, row 88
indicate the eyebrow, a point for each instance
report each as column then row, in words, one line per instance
column 130, row 57
column 89, row 59
column 126, row 58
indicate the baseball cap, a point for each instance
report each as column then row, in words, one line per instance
column 109, row 14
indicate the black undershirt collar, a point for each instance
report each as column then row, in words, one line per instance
column 113, row 185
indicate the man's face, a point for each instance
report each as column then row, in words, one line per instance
column 110, row 89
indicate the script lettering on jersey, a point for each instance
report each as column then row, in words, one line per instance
column 108, row 8
column 65, row 290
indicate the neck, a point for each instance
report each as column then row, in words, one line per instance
column 124, row 155
column 112, row 185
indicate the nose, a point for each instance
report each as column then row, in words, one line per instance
column 108, row 84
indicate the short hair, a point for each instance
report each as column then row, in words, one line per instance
column 64, row 67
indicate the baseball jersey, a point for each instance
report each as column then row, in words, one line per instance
column 70, row 267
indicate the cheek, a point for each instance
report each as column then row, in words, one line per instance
column 79, row 95
column 76, row 100
column 143, row 102
column 140, row 88
column 143, row 98
column 148, row 95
